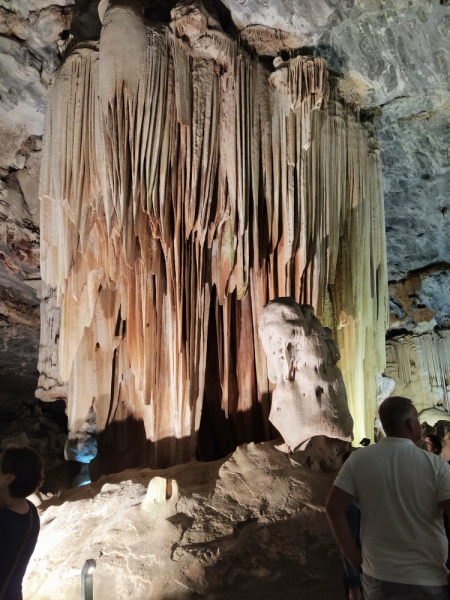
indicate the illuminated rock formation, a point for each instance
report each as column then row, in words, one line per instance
column 242, row 527
column 418, row 345
column 420, row 367
column 309, row 398
column 183, row 187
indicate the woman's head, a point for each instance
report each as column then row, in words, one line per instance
column 24, row 470
column 433, row 444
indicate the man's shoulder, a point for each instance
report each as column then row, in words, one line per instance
column 377, row 452
column 411, row 452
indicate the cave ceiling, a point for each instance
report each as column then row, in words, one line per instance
column 393, row 54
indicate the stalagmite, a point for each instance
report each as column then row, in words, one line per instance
column 309, row 398
column 184, row 186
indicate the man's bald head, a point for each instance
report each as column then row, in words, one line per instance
column 395, row 414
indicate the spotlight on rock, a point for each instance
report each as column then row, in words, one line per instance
column 87, row 580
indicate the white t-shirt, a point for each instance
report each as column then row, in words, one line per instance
column 399, row 487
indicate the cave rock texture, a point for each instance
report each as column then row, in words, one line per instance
column 389, row 53
column 239, row 527
column 183, row 186
column 309, row 398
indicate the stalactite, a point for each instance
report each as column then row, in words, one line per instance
column 420, row 367
column 183, row 184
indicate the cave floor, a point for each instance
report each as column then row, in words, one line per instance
column 283, row 585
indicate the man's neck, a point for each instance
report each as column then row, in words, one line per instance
column 404, row 436
column 18, row 505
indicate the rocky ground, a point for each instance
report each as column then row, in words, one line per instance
column 249, row 526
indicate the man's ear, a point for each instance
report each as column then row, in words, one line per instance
column 9, row 478
column 410, row 423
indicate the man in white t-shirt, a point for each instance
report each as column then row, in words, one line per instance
column 402, row 491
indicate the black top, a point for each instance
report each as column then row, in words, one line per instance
column 353, row 514
column 13, row 530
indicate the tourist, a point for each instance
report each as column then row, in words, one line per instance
column 433, row 444
column 21, row 473
column 401, row 490
column 352, row 578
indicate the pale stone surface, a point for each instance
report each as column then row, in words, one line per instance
column 309, row 398
column 386, row 387
column 420, row 366
column 431, row 416
column 251, row 526
column 391, row 52
column 50, row 386
column 139, row 254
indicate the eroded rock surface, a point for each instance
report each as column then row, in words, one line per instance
column 393, row 53
column 309, row 398
column 251, row 525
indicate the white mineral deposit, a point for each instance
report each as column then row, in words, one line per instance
column 223, row 241
column 179, row 180
column 309, row 398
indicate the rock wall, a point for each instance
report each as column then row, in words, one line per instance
column 391, row 53
column 418, row 345
column 29, row 33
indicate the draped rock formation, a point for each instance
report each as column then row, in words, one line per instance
column 420, row 366
column 184, row 186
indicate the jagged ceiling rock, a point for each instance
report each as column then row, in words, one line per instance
column 399, row 46
column 306, row 21
column 394, row 53
column 25, row 7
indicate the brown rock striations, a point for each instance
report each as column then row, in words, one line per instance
column 183, row 184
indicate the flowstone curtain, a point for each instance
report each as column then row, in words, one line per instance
column 183, row 187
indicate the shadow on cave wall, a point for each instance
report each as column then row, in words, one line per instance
column 219, row 435
column 123, row 444
column 86, row 23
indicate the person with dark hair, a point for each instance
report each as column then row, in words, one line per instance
column 402, row 491
column 352, row 578
column 433, row 443
column 21, row 474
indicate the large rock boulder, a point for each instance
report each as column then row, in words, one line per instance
column 251, row 525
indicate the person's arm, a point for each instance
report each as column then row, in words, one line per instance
column 445, row 505
column 352, row 579
column 337, row 504
column 355, row 593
